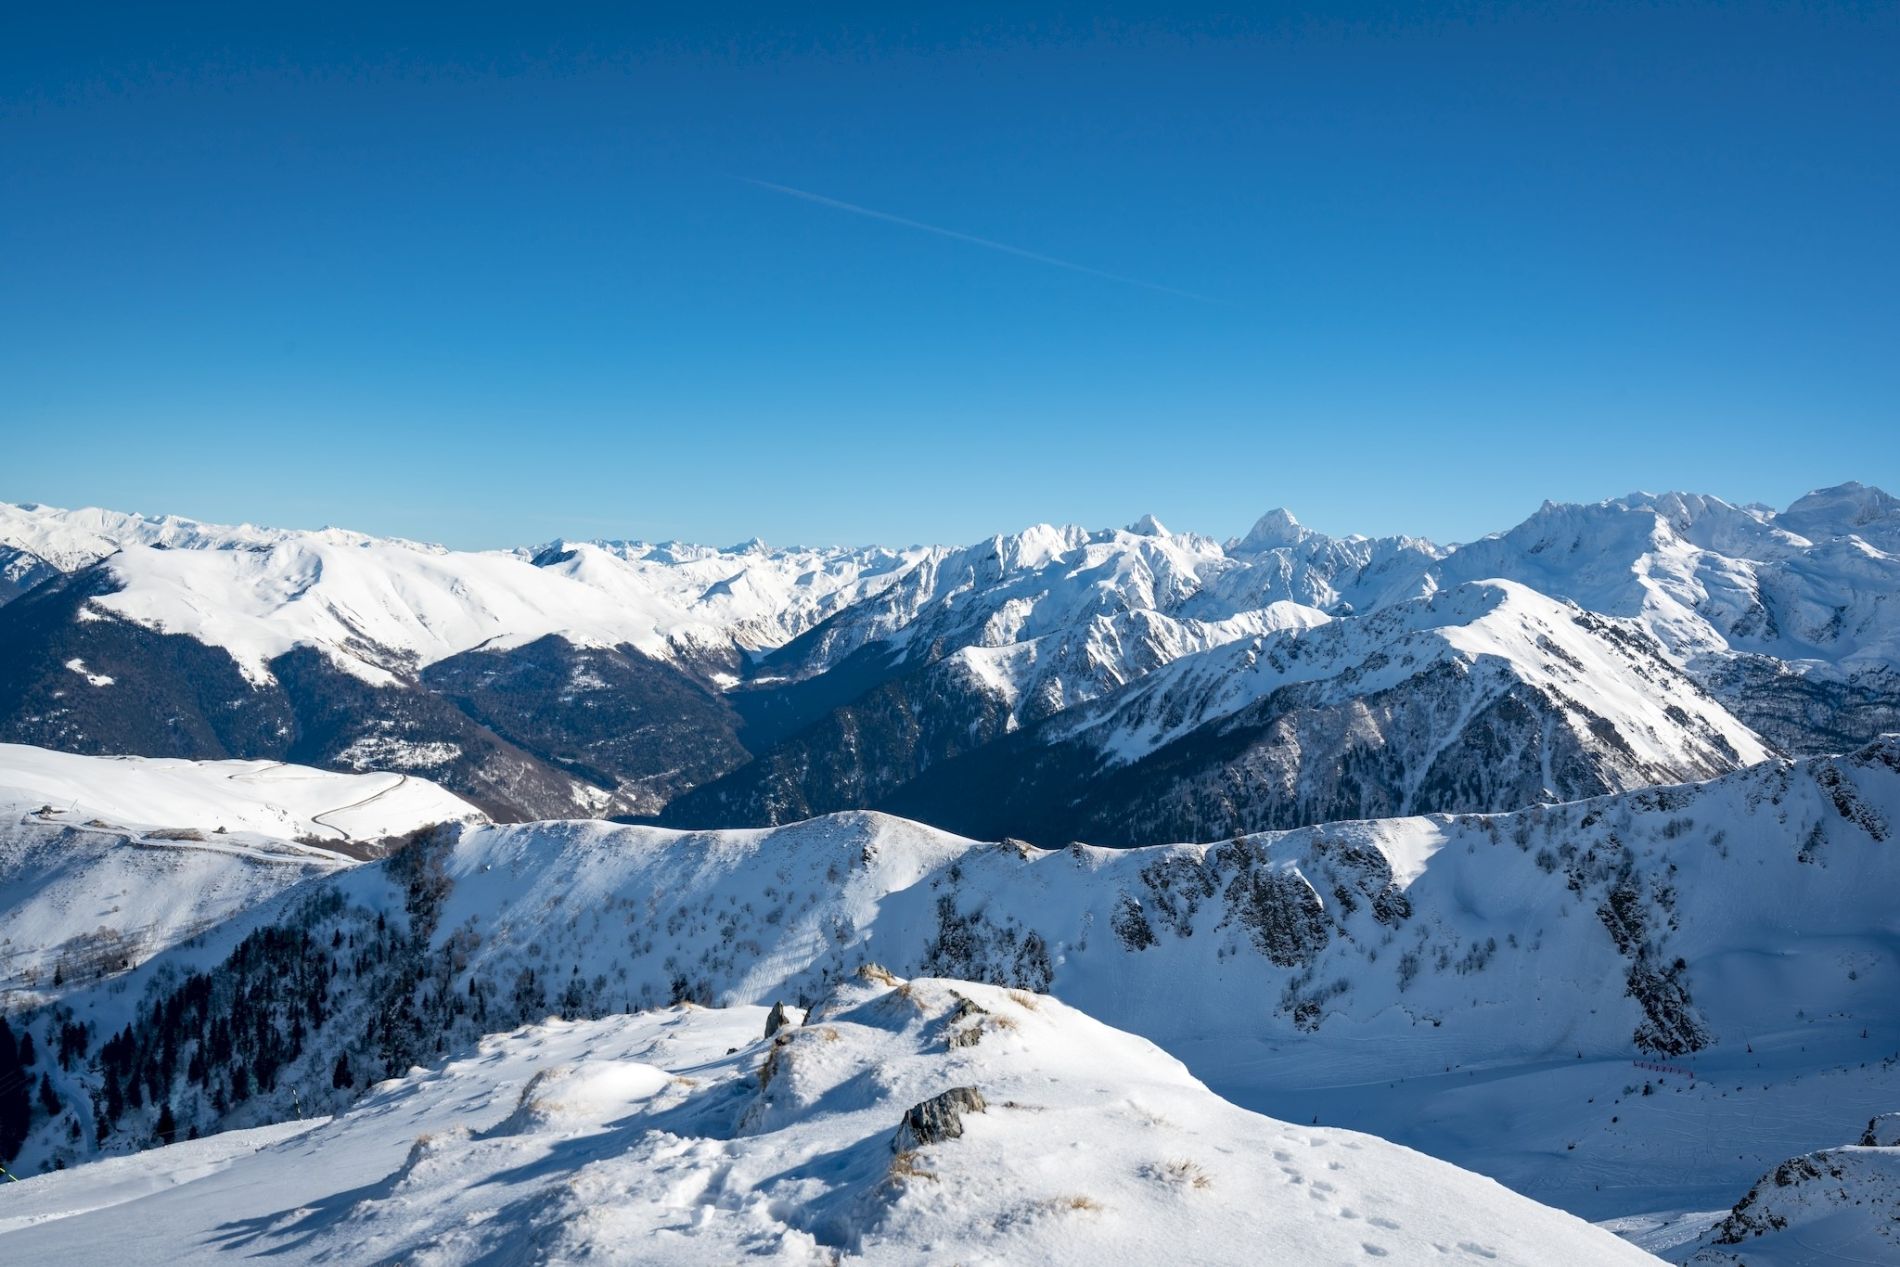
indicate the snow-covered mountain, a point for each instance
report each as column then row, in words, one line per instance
column 752, row 686
column 355, row 652
column 105, row 861
column 1525, row 995
column 380, row 607
column 897, row 1122
column 1482, row 696
column 1790, row 618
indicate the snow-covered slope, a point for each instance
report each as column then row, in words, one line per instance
column 1837, row 1205
column 20, row 571
column 900, row 1122
column 1791, row 617
column 384, row 606
column 267, row 798
column 757, row 596
column 1488, row 695
column 380, row 608
column 1476, row 986
column 1051, row 617
column 106, row 861
column 72, row 539
column 1595, row 669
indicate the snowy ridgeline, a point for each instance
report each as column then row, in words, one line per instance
column 1475, row 987
column 920, row 1121
column 381, row 606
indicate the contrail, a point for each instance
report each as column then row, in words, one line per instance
column 972, row 239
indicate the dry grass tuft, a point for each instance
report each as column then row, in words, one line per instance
column 904, row 1166
column 1179, row 1172
column 774, row 1059
column 903, row 994
column 1025, row 1000
column 1074, row 1201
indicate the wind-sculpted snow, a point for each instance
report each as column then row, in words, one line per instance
column 900, row 1122
column 1720, row 925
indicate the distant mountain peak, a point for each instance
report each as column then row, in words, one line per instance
column 1851, row 504
column 1276, row 528
column 1148, row 526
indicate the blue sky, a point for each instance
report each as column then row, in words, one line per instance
column 488, row 277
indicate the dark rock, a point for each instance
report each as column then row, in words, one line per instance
column 937, row 1119
column 1882, row 1132
column 956, row 1034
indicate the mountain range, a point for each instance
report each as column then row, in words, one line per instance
column 1119, row 686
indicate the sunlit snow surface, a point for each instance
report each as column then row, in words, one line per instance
column 106, row 860
column 269, row 798
column 644, row 1139
column 380, row 606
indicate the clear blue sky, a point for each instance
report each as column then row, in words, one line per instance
column 489, row 277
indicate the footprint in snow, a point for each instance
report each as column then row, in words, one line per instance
column 1377, row 1251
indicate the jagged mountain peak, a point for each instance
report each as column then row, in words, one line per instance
column 1275, row 529
column 1148, row 526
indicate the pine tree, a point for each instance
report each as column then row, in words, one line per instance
column 342, row 1077
column 27, row 1054
column 167, row 1125
column 49, row 1098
